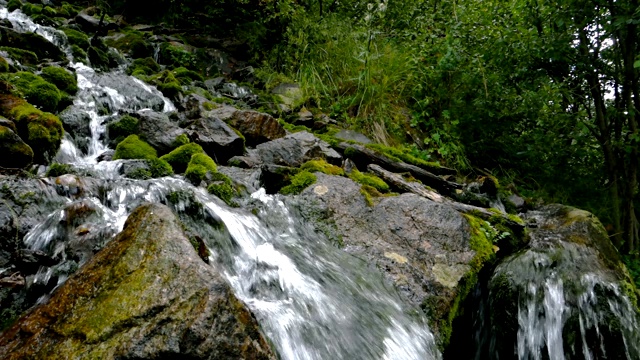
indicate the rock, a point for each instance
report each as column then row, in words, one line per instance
column 90, row 24
column 572, row 275
column 245, row 162
column 274, row 177
column 128, row 86
column 158, row 130
column 290, row 95
column 350, row 135
column 248, row 178
column 295, row 149
column 43, row 48
column 192, row 106
column 305, row 117
column 16, row 154
column 517, row 202
column 256, row 127
column 146, row 295
column 133, row 168
column 29, row 261
column 424, row 248
column 77, row 124
column 8, row 123
column 106, row 156
column 217, row 138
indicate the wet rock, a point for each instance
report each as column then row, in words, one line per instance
column 295, row 149
column 217, row 138
column 132, row 168
column 158, row 130
column 106, row 156
column 290, row 95
column 245, row 162
column 423, row 247
column 256, row 127
column 569, row 290
column 127, row 86
column 146, row 295
column 274, row 177
column 16, row 154
column 90, row 24
column 248, row 178
column 77, row 124
column 8, row 123
column 43, row 48
column 29, row 261
column 350, row 135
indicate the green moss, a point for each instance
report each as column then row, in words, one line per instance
column 61, row 78
column 186, row 76
column 125, row 126
column 175, row 56
column 403, row 155
column 146, row 66
column 44, row 94
column 180, row 140
column 78, row 53
column 198, row 167
column 67, row 10
column 24, row 57
column 293, row 128
column 77, row 38
column 368, row 198
column 299, row 182
column 368, row 179
column 134, row 148
column 31, row 9
column 170, row 89
column 49, row 11
column 57, row 169
column 323, row 167
column 222, row 190
column 13, row 5
column 4, row 65
column 208, row 106
column 179, row 158
column 132, row 42
column 98, row 58
column 159, row 168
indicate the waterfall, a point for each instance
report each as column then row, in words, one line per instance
column 313, row 300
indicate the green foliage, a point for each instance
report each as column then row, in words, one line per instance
column 61, row 78
column 57, row 169
column 179, row 158
column 323, row 167
column 299, row 182
column 198, row 167
column 370, row 180
column 175, row 56
column 134, row 148
column 180, row 140
column 186, row 76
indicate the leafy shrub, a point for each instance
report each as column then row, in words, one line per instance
column 134, row 148
column 61, row 78
column 179, row 158
column 299, row 182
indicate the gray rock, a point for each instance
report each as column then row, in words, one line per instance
column 350, row 135
column 423, row 247
column 146, row 295
column 8, row 123
column 217, row 138
column 571, row 273
column 77, row 124
column 295, row 149
column 15, row 152
column 256, row 127
column 248, row 178
column 158, row 130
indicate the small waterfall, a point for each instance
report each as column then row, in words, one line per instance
column 313, row 300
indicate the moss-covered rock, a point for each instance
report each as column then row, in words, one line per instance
column 121, row 128
column 323, row 167
column 31, row 9
column 57, row 169
column 370, row 180
column 77, row 38
column 299, row 182
column 4, row 65
column 36, row 90
column 159, row 168
column 222, row 187
column 14, row 5
column 63, row 79
column 147, row 294
column 15, row 152
column 24, row 57
column 145, row 66
column 134, row 148
column 131, row 43
column 32, row 42
column 186, row 76
column 198, row 167
column 179, row 158
column 42, row 131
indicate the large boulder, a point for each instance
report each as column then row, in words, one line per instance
column 146, row 295
column 15, row 152
column 31, row 41
column 158, row 130
column 217, row 138
column 428, row 250
column 295, row 149
column 567, row 296
column 256, row 127
column 77, row 123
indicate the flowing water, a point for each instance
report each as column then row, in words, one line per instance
column 312, row 300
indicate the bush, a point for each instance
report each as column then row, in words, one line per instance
column 179, row 158
column 298, row 183
column 134, row 148
column 368, row 179
column 198, row 167
column 61, row 78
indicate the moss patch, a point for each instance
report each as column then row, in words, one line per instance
column 61, row 78
column 24, row 57
column 179, row 158
column 368, row 179
column 299, row 182
column 198, row 167
column 323, row 167
column 120, row 129
column 134, row 148
column 403, row 155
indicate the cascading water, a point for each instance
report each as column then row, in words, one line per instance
column 313, row 300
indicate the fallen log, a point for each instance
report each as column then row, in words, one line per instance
column 398, row 182
column 363, row 156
